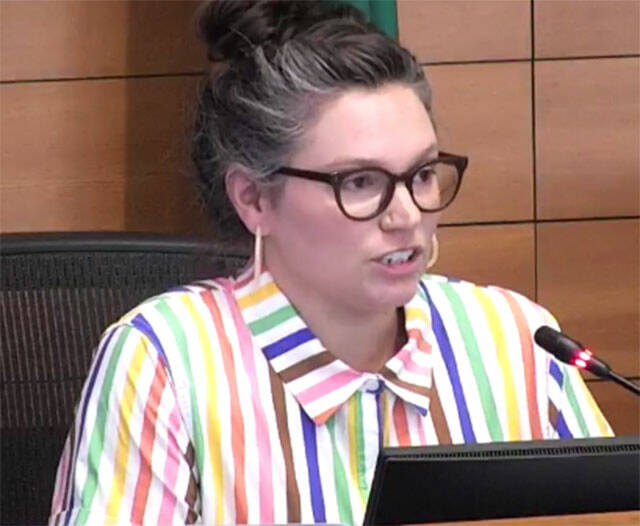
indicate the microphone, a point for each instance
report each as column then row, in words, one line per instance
column 572, row 352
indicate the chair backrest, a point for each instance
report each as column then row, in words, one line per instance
column 58, row 292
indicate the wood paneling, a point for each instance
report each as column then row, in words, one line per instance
column 586, row 28
column 62, row 39
column 94, row 130
column 159, row 204
column 489, row 255
column 90, row 133
column 59, row 205
column 484, row 111
column 442, row 30
column 165, row 204
column 621, row 408
column 588, row 138
column 589, row 278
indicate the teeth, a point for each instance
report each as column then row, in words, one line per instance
column 401, row 256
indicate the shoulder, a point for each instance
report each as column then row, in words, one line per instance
column 464, row 298
column 169, row 321
column 178, row 300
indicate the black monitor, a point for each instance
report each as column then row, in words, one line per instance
column 505, row 479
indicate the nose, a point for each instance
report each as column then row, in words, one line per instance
column 402, row 212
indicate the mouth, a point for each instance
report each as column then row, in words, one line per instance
column 399, row 257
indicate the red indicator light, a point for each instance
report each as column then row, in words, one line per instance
column 585, row 355
column 580, row 363
column 587, row 351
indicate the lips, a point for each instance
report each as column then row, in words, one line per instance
column 399, row 256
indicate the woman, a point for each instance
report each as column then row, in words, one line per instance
column 266, row 398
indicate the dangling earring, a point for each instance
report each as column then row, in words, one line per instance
column 257, row 254
column 434, row 252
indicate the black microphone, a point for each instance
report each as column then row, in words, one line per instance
column 572, row 352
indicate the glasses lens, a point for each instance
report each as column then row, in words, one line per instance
column 434, row 185
column 362, row 192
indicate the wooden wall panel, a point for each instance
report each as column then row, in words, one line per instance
column 622, row 409
column 63, row 39
column 589, row 277
column 489, row 255
column 484, row 111
column 588, row 138
column 442, row 30
column 586, row 28
column 88, row 135
column 166, row 203
column 60, row 205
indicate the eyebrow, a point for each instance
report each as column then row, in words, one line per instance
column 364, row 162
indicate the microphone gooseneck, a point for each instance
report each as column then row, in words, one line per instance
column 572, row 352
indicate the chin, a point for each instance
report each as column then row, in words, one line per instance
column 397, row 294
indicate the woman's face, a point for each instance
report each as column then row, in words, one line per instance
column 311, row 245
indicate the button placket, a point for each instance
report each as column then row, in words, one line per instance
column 371, row 392
column 371, row 385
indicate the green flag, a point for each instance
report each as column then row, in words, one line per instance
column 382, row 13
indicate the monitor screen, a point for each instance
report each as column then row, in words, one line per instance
column 505, row 479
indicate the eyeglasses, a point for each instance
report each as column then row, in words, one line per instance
column 364, row 193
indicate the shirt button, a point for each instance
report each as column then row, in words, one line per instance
column 371, row 385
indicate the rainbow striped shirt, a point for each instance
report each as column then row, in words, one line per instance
column 215, row 403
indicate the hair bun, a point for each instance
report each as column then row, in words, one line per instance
column 233, row 28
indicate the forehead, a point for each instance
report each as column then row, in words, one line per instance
column 388, row 126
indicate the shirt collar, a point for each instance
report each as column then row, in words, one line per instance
column 318, row 380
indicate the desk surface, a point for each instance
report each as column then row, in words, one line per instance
column 620, row 518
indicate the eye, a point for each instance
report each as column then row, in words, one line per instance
column 426, row 174
column 363, row 181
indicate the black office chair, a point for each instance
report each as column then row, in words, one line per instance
column 58, row 292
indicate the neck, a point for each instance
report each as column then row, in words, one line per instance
column 364, row 340
column 365, row 343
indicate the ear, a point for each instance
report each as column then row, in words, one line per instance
column 249, row 199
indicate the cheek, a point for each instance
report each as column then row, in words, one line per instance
column 323, row 227
column 431, row 220
column 310, row 218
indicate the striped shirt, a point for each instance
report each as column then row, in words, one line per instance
column 216, row 403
